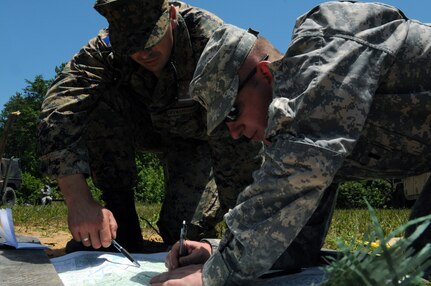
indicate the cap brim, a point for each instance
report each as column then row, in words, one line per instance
column 159, row 30
column 140, row 40
column 217, row 114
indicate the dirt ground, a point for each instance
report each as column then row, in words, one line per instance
column 57, row 241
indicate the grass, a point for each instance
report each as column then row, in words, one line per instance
column 381, row 264
column 53, row 217
column 347, row 225
column 49, row 219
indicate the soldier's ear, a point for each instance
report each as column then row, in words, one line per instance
column 173, row 16
column 263, row 69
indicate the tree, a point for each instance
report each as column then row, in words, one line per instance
column 22, row 143
column 22, row 138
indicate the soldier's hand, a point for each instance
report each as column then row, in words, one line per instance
column 190, row 275
column 92, row 224
column 197, row 253
column 88, row 221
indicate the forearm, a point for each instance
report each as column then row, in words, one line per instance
column 75, row 189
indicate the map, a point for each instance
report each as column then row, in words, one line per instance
column 107, row 268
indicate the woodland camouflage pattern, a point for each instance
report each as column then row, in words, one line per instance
column 351, row 99
column 103, row 107
column 145, row 29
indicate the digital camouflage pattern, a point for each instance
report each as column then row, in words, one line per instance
column 135, row 25
column 103, row 107
column 351, row 99
column 217, row 71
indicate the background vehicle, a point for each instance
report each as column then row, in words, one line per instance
column 407, row 190
column 10, row 169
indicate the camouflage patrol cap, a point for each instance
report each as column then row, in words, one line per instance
column 134, row 25
column 215, row 81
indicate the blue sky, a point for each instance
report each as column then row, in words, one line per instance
column 36, row 36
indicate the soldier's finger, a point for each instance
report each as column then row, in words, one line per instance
column 84, row 238
column 105, row 237
column 113, row 227
column 76, row 235
column 95, row 239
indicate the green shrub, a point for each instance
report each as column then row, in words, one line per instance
column 150, row 181
column 150, row 185
column 30, row 189
column 377, row 192
column 95, row 192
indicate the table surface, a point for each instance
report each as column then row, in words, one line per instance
column 26, row 266
column 20, row 267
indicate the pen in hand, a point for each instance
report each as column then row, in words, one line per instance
column 125, row 253
column 183, row 235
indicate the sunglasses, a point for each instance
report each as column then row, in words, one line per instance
column 234, row 112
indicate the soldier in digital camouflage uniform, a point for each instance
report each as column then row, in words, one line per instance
column 127, row 90
column 350, row 99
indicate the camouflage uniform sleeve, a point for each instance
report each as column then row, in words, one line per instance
column 64, row 110
column 317, row 114
column 234, row 162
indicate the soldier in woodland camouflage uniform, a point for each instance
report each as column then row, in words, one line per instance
column 351, row 98
column 127, row 90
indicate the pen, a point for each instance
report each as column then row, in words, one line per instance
column 183, row 235
column 125, row 253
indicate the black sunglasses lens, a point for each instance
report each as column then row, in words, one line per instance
column 233, row 114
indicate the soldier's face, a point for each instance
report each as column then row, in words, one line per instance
column 155, row 58
column 252, row 104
